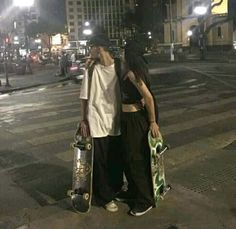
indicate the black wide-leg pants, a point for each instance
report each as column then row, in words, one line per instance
column 134, row 129
column 107, row 168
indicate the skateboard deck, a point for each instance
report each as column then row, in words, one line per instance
column 157, row 149
column 81, row 193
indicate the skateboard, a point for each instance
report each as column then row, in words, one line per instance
column 81, row 193
column 157, row 149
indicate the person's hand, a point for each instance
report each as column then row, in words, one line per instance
column 154, row 128
column 89, row 61
column 84, row 128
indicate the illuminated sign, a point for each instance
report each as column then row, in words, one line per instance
column 56, row 40
column 221, row 9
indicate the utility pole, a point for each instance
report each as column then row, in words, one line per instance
column 172, row 57
column 202, row 38
column 6, row 57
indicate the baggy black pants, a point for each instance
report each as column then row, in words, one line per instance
column 134, row 129
column 107, row 168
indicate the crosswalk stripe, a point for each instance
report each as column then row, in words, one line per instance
column 165, row 89
column 53, row 113
column 200, row 122
column 46, row 139
column 39, row 107
column 170, row 129
column 23, row 129
column 215, row 104
column 220, row 74
column 194, row 98
column 179, row 93
column 164, row 114
column 200, row 147
column 67, row 92
column 212, row 77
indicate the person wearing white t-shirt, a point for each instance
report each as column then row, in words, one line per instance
column 101, row 106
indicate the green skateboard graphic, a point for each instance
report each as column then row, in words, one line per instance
column 157, row 149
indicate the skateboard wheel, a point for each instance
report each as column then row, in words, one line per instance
column 88, row 146
column 86, row 196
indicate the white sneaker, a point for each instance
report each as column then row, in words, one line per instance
column 140, row 211
column 111, row 207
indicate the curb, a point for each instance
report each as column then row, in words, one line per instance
column 10, row 90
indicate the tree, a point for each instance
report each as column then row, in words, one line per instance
column 129, row 21
column 230, row 16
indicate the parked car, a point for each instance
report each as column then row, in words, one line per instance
column 75, row 70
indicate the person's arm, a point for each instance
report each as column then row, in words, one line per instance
column 83, row 124
column 149, row 103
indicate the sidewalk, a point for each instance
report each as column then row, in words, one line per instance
column 186, row 206
column 183, row 57
column 41, row 75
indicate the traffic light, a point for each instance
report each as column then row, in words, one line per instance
column 7, row 40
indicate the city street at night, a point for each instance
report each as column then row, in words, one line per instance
column 197, row 118
column 78, row 114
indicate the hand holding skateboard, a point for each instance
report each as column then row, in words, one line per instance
column 155, row 131
column 83, row 129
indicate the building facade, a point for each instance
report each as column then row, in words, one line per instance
column 104, row 14
column 181, row 25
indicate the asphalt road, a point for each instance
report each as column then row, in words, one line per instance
column 198, row 117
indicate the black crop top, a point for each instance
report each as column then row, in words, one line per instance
column 129, row 93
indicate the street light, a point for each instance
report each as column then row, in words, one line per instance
column 201, row 12
column 172, row 57
column 189, row 33
column 16, row 40
column 87, row 23
column 87, row 32
column 25, row 3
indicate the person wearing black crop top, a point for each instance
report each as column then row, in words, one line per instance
column 139, row 115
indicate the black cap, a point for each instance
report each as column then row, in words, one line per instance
column 100, row 40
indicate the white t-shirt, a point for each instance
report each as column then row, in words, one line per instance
column 104, row 101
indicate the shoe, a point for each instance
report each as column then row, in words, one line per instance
column 124, row 196
column 140, row 210
column 111, row 207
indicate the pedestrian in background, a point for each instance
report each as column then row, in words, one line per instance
column 64, row 64
column 28, row 61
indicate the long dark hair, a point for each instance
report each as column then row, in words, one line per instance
column 136, row 62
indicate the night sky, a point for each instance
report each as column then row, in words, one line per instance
column 53, row 11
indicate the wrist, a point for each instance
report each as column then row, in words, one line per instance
column 81, row 121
